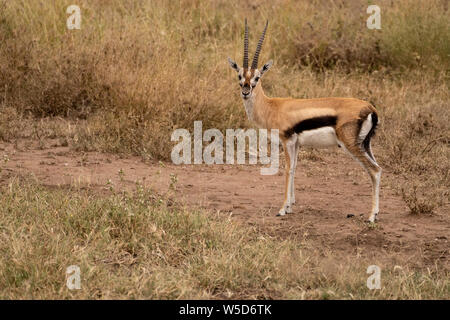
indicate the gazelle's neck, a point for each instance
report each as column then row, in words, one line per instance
column 257, row 105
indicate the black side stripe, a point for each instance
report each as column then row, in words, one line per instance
column 311, row 124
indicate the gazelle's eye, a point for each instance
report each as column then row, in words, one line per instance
column 240, row 77
column 256, row 79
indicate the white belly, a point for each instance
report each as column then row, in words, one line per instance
column 324, row 137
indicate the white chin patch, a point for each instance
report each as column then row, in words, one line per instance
column 324, row 137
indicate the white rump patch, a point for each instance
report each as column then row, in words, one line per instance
column 324, row 137
column 365, row 128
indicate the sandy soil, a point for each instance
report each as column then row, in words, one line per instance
column 328, row 189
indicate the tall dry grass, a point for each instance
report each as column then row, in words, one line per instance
column 137, row 71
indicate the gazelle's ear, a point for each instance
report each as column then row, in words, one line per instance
column 266, row 67
column 233, row 64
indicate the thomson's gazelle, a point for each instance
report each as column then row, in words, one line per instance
column 324, row 122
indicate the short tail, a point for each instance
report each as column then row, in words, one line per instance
column 367, row 132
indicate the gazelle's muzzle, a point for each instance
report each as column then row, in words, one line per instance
column 246, row 90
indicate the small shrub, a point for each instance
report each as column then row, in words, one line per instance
column 419, row 203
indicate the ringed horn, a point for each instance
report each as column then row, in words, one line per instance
column 258, row 48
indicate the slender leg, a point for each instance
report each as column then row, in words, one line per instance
column 375, row 195
column 297, row 147
column 289, row 147
column 282, row 211
column 375, row 176
column 366, row 159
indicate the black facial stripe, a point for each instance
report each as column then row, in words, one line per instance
column 311, row 124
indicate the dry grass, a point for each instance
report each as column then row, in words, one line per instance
column 138, row 70
column 140, row 245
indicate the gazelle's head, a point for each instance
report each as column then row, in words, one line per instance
column 249, row 77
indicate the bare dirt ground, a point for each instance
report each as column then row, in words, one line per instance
column 328, row 188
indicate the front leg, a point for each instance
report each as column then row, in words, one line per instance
column 297, row 148
column 289, row 151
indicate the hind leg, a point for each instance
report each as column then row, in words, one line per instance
column 375, row 175
column 365, row 158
